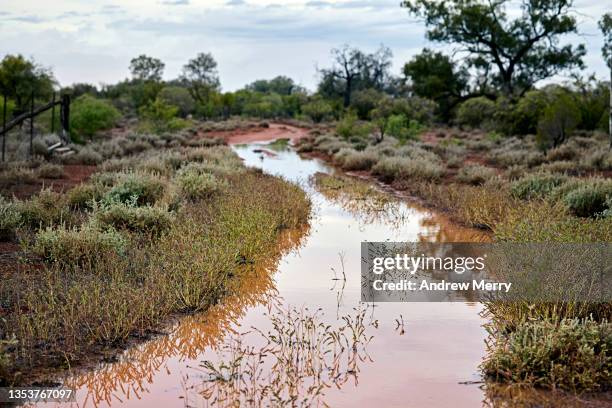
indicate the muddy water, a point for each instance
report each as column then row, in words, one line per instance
column 421, row 363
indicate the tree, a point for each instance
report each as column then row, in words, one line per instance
column 353, row 69
column 518, row 51
column 605, row 24
column 145, row 68
column 20, row 77
column 281, row 85
column 433, row 75
column 201, row 76
column 381, row 114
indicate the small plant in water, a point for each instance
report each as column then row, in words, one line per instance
column 300, row 357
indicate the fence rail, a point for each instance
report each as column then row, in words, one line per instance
column 63, row 103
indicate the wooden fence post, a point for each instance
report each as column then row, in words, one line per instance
column 4, row 127
column 31, row 124
column 53, row 114
column 65, row 116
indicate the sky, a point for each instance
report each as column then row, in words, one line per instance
column 93, row 41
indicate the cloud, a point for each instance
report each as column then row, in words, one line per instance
column 268, row 37
column 175, row 2
column 353, row 4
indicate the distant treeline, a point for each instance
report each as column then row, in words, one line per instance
column 492, row 85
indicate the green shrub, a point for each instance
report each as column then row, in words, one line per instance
column 78, row 246
column 475, row 174
column 317, row 110
column 559, row 120
column 89, row 115
column 402, row 129
column 196, row 184
column 144, row 188
column 536, row 185
column 10, row 220
column 589, row 200
column 157, row 115
column 475, row 112
column 129, row 217
column 524, row 116
column 364, row 101
column 179, row 97
column 394, row 168
column 350, row 126
column 573, row 355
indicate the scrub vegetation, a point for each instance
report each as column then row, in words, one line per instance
column 171, row 215
column 149, row 235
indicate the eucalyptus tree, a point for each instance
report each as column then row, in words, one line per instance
column 517, row 52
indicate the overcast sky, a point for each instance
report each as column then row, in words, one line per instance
column 94, row 40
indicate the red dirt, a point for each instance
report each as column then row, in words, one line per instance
column 73, row 174
column 259, row 134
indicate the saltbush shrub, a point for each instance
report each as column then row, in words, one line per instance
column 45, row 209
column 196, row 184
column 475, row 174
column 536, row 185
column 10, row 220
column 72, row 247
column 574, row 355
column 84, row 195
column 394, row 168
column 357, row 160
column 589, row 200
column 50, row 171
column 144, row 188
column 129, row 217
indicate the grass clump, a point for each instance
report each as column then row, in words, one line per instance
column 72, row 247
column 572, row 354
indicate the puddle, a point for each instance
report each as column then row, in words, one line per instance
column 417, row 353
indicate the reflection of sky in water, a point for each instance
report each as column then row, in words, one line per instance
column 442, row 344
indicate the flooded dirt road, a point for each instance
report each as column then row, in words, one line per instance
column 419, row 354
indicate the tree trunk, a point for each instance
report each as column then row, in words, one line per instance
column 610, row 108
column 347, row 93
